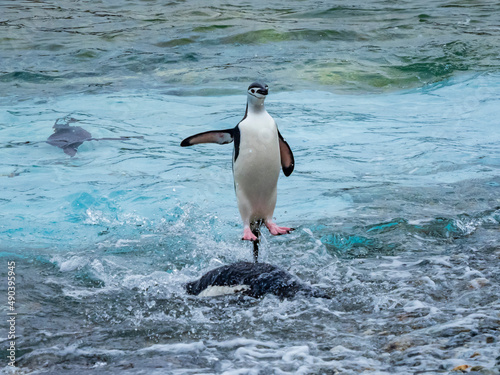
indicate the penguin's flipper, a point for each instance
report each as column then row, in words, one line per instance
column 287, row 160
column 71, row 149
column 221, row 137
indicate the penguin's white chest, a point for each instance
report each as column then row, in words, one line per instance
column 257, row 167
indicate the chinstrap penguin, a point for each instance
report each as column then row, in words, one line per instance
column 259, row 153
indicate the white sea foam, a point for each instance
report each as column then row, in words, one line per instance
column 411, row 306
column 74, row 263
column 180, row 348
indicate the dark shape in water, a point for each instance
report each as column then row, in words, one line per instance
column 69, row 138
column 250, row 279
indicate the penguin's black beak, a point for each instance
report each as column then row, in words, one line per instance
column 263, row 91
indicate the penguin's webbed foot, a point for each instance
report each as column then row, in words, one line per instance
column 275, row 230
column 248, row 235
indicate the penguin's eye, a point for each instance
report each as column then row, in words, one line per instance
column 253, row 91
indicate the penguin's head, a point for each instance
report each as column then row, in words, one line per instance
column 257, row 92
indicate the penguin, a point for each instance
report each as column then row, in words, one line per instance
column 69, row 138
column 260, row 151
column 253, row 280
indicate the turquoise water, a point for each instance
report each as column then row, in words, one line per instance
column 392, row 113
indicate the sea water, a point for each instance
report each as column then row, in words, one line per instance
column 392, row 112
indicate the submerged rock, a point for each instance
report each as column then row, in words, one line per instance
column 250, row 279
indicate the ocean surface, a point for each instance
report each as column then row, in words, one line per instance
column 392, row 110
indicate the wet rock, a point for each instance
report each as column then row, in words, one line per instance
column 400, row 344
column 478, row 283
column 462, row 368
column 476, row 368
column 251, row 279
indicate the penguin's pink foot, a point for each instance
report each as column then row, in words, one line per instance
column 248, row 235
column 276, row 230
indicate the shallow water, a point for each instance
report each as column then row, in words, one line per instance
column 395, row 196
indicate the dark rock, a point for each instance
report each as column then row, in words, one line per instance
column 255, row 279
